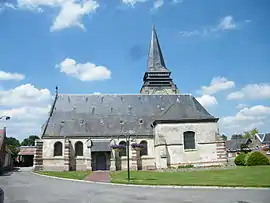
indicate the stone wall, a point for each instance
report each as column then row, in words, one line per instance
column 38, row 155
column 136, row 162
column 68, row 160
column 169, row 145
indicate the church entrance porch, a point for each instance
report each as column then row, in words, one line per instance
column 100, row 161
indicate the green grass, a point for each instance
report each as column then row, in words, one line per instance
column 256, row 176
column 78, row 175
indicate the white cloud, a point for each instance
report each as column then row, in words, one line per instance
column 157, row 4
column 11, row 76
column 84, row 71
column 71, row 14
column 226, row 23
column 24, row 95
column 177, row 1
column 133, row 2
column 9, row 5
column 246, row 119
column 28, row 108
column 207, row 100
column 251, row 91
column 241, row 106
column 71, row 11
column 217, row 84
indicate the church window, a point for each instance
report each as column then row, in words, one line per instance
column 79, row 148
column 144, row 151
column 58, row 149
column 124, row 151
column 189, row 140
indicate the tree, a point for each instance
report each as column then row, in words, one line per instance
column 30, row 141
column 251, row 134
column 13, row 145
column 224, row 137
column 12, row 141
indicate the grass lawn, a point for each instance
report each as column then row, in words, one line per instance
column 257, row 176
column 78, row 175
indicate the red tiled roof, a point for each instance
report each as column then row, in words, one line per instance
column 27, row 151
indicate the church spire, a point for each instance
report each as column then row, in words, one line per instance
column 157, row 78
column 155, row 56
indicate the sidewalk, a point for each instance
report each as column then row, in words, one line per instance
column 99, row 176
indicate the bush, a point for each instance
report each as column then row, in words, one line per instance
column 240, row 159
column 256, row 158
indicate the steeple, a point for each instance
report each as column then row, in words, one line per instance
column 157, row 78
column 155, row 56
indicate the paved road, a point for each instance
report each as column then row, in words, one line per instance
column 24, row 187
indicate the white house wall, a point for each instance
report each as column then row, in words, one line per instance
column 169, row 143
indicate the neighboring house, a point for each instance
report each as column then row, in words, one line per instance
column 233, row 146
column 175, row 129
column 6, row 161
column 26, row 155
column 264, row 140
column 8, row 164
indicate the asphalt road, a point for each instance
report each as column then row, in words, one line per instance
column 24, row 187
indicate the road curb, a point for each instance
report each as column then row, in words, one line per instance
column 156, row 186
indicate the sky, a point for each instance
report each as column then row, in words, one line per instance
column 217, row 50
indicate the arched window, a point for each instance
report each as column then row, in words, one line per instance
column 189, row 140
column 124, row 151
column 79, row 148
column 58, row 149
column 144, row 151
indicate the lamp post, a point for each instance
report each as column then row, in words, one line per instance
column 127, row 136
column 4, row 117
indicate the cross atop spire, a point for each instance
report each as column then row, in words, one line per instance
column 155, row 57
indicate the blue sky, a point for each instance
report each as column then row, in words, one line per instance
column 217, row 50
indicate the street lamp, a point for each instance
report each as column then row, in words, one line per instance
column 127, row 136
column 4, row 117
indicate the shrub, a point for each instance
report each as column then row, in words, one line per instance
column 240, row 159
column 257, row 158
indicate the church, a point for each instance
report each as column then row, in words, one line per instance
column 157, row 128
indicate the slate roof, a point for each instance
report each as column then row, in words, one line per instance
column 235, row 144
column 103, row 115
column 264, row 138
column 156, row 61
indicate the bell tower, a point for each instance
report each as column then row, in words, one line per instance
column 157, row 79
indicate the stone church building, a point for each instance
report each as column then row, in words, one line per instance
column 175, row 129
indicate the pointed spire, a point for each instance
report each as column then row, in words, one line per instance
column 56, row 90
column 155, row 57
